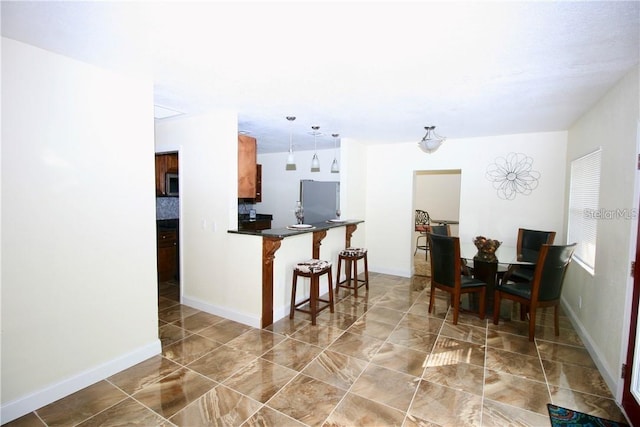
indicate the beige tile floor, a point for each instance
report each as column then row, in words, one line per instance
column 379, row 360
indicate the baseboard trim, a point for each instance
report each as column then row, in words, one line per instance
column 609, row 377
column 22, row 406
column 244, row 318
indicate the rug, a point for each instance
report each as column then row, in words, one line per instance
column 568, row 417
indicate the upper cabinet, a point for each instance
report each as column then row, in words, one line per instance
column 247, row 167
column 165, row 163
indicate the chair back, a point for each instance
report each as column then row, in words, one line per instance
column 445, row 259
column 530, row 242
column 422, row 221
column 442, row 230
column 550, row 271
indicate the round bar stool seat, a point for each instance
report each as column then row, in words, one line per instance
column 351, row 256
column 313, row 269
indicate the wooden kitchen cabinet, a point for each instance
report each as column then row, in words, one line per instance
column 247, row 167
column 165, row 163
column 261, row 222
column 257, row 225
column 167, row 255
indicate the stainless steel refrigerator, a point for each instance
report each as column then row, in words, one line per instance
column 320, row 200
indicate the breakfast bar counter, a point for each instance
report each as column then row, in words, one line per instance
column 271, row 242
column 287, row 232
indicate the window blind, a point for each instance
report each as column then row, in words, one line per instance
column 584, row 195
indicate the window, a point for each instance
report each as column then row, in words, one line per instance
column 584, row 195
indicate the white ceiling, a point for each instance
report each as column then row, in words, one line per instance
column 370, row 71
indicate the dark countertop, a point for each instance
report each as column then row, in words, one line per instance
column 285, row 232
column 167, row 224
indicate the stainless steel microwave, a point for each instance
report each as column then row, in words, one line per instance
column 171, row 184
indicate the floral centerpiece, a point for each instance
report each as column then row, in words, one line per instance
column 486, row 248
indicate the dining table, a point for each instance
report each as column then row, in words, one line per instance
column 490, row 271
column 506, row 255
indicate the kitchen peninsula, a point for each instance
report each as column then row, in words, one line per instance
column 272, row 240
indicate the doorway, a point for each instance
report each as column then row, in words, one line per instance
column 438, row 193
column 167, row 224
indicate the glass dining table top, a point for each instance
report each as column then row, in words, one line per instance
column 505, row 254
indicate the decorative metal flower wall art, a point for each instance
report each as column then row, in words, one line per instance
column 513, row 174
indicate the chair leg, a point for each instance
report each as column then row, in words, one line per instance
column 313, row 297
column 293, row 294
column 330, row 283
column 532, row 322
column 355, row 278
column 426, row 248
column 456, row 307
column 366, row 272
column 338, row 274
column 496, row 306
column 483, row 294
column 432, row 298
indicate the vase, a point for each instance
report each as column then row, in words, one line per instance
column 486, row 257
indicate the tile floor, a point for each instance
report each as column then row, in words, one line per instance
column 379, row 360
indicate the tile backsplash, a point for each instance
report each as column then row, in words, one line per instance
column 167, row 207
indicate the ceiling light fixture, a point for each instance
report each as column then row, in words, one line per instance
column 291, row 161
column 335, row 168
column 315, row 163
column 431, row 141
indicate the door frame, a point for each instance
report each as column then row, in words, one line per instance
column 631, row 374
column 630, row 405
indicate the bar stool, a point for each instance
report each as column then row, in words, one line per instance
column 313, row 269
column 351, row 257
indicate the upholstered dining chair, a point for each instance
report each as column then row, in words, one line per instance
column 422, row 223
column 543, row 290
column 443, row 230
column 528, row 247
column 446, row 274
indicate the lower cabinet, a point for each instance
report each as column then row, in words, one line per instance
column 167, row 255
column 257, row 225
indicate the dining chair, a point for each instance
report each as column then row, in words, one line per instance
column 544, row 290
column 528, row 247
column 422, row 222
column 446, row 274
column 443, row 229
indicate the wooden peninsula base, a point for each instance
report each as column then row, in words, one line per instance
column 271, row 240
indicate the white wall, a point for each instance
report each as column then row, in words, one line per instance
column 79, row 290
column 613, row 125
column 353, row 185
column 220, row 273
column 389, row 193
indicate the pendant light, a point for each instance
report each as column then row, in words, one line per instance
column 335, row 168
column 291, row 161
column 431, row 140
column 315, row 163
